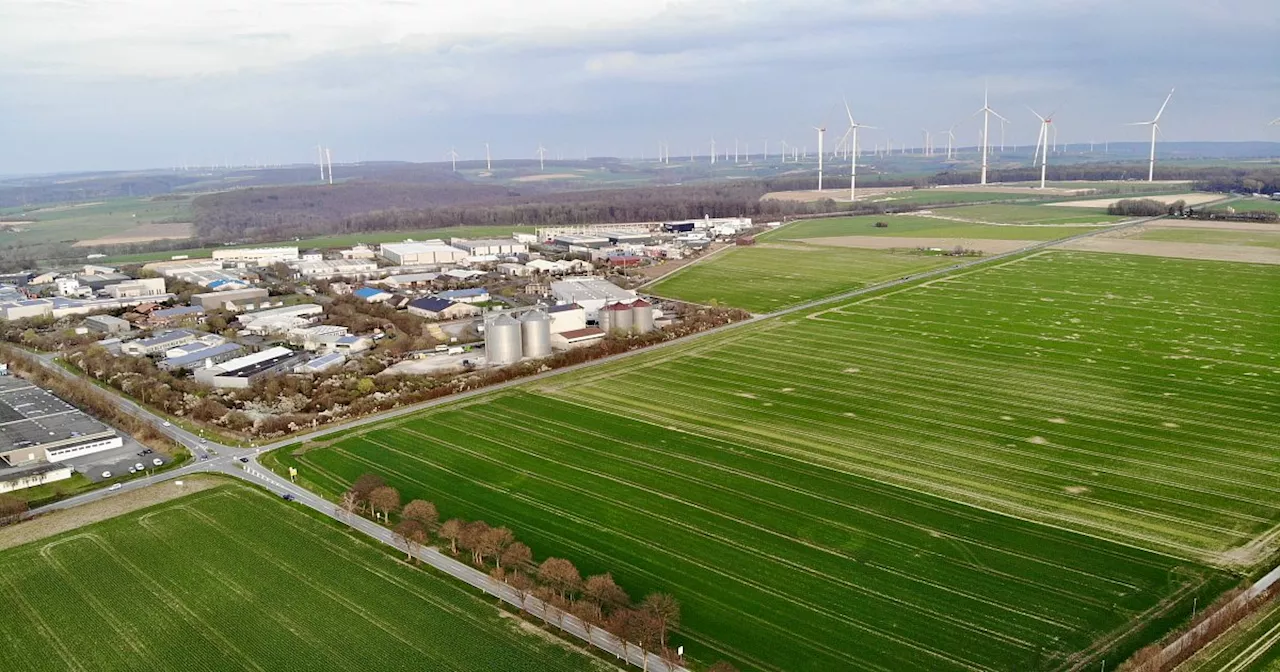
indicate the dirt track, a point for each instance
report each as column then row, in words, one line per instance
column 144, row 233
column 1220, row 226
column 895, row 242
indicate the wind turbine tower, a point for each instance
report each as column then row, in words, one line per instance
column 1155, row 128
column 453, row 156
column 542, row 154
column 488, row 163
column 1042, row 144
column 986, row 113
column 853, row 144
column 713, row 151
column 822, row 131
column 328, row 158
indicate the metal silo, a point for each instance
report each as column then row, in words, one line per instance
column 535, row 331
column 619, row 317
column 642, row 316
column 502, row 341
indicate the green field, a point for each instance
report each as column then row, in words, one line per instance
column 1251, row 646
column 342, row 240
column 232, row 579
column 767, row 277
column 1031, row 214
column 917, row 226
column 1251, row 205
column 943, row 196
column 1215, row 236
column 1002, row 470
column 87, row 221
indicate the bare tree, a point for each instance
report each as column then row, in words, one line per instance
column 449, row 531
column 522, row 585
column 608, row 595
column 589, row 613
column 517, row 557
column 422, row 511
column 348, row 502
column 412, row 536
column 493, row 542
column 366, row 484
column 560, row 575
column 620, row 623
column 386, row 499
column 470, row 539
column 665, row 611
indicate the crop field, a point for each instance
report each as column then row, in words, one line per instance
column 232, row 579
column 1214, row 236
column 70, row 223
column 1251, row 205
column 945, row 196
column 767, row 277
column 1032, row 465
column 1251, row 646
column 1031, row 214
column 917, row 226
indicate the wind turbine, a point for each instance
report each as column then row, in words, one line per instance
column 928, row 138
column 488, row 164
column 1042, row 144
column 713, row 151
column 986, row 113
column 853, row 160
column 1155, row 127
column 822, row 131
column 542, row 153
column 320, row 148
column 453, row 156
column 784, row 151
column 951, row 138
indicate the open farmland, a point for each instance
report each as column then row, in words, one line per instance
column 1011, row 468
column 917, row 226
column 232, row 579
column 1214, row 236
column 106, row 219
column 1029, row 214
column 766, row 277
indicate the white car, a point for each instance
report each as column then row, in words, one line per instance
column 157, row 461
column 106, row 474
column 138, row 466
column 114, row 486
column 132, row 470
column 167, row 423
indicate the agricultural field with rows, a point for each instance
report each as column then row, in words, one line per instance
column 1033, row 465
column 233, row 579
column 919, row 226
column 1251, row 646
column 768, row 277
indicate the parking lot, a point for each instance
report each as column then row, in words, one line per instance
column 116, row 462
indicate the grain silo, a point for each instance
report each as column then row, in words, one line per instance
column 616, row 317
column 642, row 316
column 502, row 341
column 535, row 331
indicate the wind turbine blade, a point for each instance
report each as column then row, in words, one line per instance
column 1166, row 103
column 847, row 111
column 1139, row 123
column 997, row 114
column 1275, row 122
column 1035, row 113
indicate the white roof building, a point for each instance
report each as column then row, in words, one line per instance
column 333, row 268
column 257, row 255
column 590, row 293
column 426, row 252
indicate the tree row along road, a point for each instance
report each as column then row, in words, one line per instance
column 218, row 458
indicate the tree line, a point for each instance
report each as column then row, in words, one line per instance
column 596, row 600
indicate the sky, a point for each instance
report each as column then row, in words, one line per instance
column 122, row 84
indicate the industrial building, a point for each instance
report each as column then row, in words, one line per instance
column 590, row 293
column 157, row 343
column 172, row 268
column 98, row 281
column 133, row 289
column 371, row 295
column 167, row 317
column 550, row 232
column 434, row 308
column 577, row 338
column 301, row 310
column 31, row 476
column 490, row 246
column 321, row 363
column 473, row 295
column 217, row 279
column 334, row 268
column 37, row 427
column 409, row 280
column 315, row 338
column 234, row 300
column 426, row 252
column 567, row 317
column 259, row 256
column 200, row 356
column 242, row 372
column 106, row 324
column 572, row 240
column 18, row 308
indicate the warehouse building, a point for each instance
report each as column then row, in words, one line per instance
column 168, row 317
column 234, row 300
column 30, row 477
column 243, row 372
column 157, row 343
column 590, row 293
column 299, row 310
column 426, row 252
column 338, row 268
column 258, row 256
column 435, row 308
column 490, row 246
column 577, row 338
column 133, row 289
column 474, row 295
column 567, row 317
column 106, row 324
column 170, row 269
column 200, row 356
column 37, row 427
column 321, row 364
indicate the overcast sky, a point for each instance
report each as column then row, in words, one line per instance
column 98, row 84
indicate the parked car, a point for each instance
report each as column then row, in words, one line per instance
column 106, row 474
column 148, row 451
column 132, row 470
column 114, row 486
column 167, row 423
column 157, row 461
column 139, row 466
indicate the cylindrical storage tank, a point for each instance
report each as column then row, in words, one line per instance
column 642, row 316
column 535, row 331
column 603, row 319
column 502, row 341
column 619, row 317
